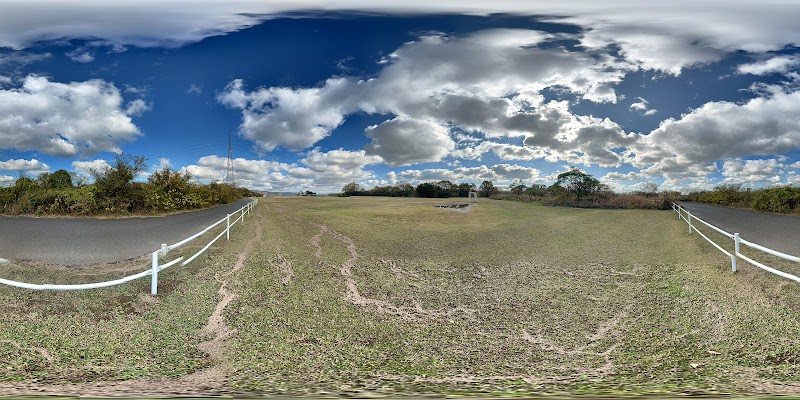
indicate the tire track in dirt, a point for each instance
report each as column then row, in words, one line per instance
column 216, row 327
column 609, row 329
column 354, row 296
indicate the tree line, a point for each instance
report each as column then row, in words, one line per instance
column 573, row 188
column 114, row 192
column 780, row 199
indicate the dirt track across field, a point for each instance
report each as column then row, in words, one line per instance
column 81, row 241
column 776, row 231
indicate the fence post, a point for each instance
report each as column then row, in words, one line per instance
column 242, row 214
column 228, row 231
column 689, row 218
column 679, row 212
column 736, row 251
column 154, row 282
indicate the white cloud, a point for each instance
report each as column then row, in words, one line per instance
column 138, row 107
column 662, row 35
column 21, row 58
column 64, row 119
column 195, row 89
column 335, row 168
column 405, row 141
column 6, row 180
column 499, row 173
column 753, row 172
column 33, row 166
column 84, row 168
column 323, row 171
column 720, row 131
column 81, row 55
column 295, row 119
column 774, row 65
column 485, row 82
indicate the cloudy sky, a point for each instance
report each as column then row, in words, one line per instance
column 686, row 93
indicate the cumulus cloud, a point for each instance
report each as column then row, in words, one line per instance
column 321, row 171
column 66, row 119
column 722, row 130
column 6, row 180
column 33, row 166
column 774, row 65
column 405, row 141
column 485, row 82
column 498, row 172
column 753, row 172
column 295, row 119
column 84, row 168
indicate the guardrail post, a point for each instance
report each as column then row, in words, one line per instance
column 736, row 251
column 154, row 282
column 242, row 214
column 689, row 219
column 228, row 233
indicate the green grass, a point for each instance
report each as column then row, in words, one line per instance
column 506, row 299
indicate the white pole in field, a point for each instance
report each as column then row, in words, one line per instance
column 736, row 250
column 689, row 215
column 242, row 214
column 228, row 231
column 154, row 281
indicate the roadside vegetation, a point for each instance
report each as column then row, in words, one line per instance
column 781, row 199
column 573, row 188
column 114, row 192
column 352, row 297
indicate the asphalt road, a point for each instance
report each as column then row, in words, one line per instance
column 81, row 241
column 776, row 231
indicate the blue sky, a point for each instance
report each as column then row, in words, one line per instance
column 318, row 94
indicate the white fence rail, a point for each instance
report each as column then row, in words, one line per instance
column 737, row 242
column 156, row 267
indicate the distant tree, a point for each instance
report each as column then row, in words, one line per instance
column 536, row 190
column 351, row 189
column 465, row 188
column 577, row 182
column 404, row 189
column 517, row 186
column 649, row 188
column 426, row 189
column 487, row 189
column 446, row 189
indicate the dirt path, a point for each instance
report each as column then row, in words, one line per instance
column 202, row 383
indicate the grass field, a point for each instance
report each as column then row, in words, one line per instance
column 380, row 295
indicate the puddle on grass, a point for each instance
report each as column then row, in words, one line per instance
column 456, row 206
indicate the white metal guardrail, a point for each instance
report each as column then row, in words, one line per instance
column 156, row 267
column 737, row 242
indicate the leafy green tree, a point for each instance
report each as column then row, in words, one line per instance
column 60, row 179
column 351, row 189
column 577, row 182
column 517, row 186
column 487, row 189
column 465, row 188
column 114, row 184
